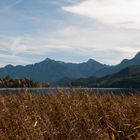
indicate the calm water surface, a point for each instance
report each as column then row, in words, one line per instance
column 55, row 90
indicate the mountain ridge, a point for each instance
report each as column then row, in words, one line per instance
column 126, row 78
column 50, row 70
column 116, row 68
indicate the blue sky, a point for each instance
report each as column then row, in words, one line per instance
column 68, row 30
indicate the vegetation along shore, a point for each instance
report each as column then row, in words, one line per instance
column 70, row 115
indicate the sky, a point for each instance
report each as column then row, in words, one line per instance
column 68, row 30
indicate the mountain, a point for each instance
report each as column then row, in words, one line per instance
column 57, row 71
column 64, row 82
column 113, row 69
column 126, row 78
column 50, row 70
column 85, row 82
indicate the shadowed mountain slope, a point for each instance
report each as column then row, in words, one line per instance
column 126, row 78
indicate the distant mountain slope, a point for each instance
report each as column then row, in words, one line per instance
column 113, row 69
column 126, row 78
column 64, row 82
column 51, row 71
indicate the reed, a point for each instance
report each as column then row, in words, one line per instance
column 68, row 115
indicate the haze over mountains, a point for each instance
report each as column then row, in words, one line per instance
column 51, row 71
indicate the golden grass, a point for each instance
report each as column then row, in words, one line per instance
column 69, row 116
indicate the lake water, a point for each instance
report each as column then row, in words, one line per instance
column 55, row 90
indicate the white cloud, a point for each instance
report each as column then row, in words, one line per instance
column 30, row 44
column 100, row 44
column 12, row 59
column 107, row 46
column 13, row 50
column 116, row 13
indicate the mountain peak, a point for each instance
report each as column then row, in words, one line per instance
column 91, row 61
column 52, row 60
column 137, row 55
column 48, row 59
column 124, row 61
column 9, row 66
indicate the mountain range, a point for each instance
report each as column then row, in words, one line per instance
column 53, row 71
column 126, row 78
column 113, row 69
column 50, row 70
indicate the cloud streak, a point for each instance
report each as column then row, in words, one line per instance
column 110, row 46
column 10, row 6
column 119, row 13
column 73, row 30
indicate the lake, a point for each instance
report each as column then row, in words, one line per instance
column 55, row 90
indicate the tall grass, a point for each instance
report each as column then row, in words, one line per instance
column 69, row 116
